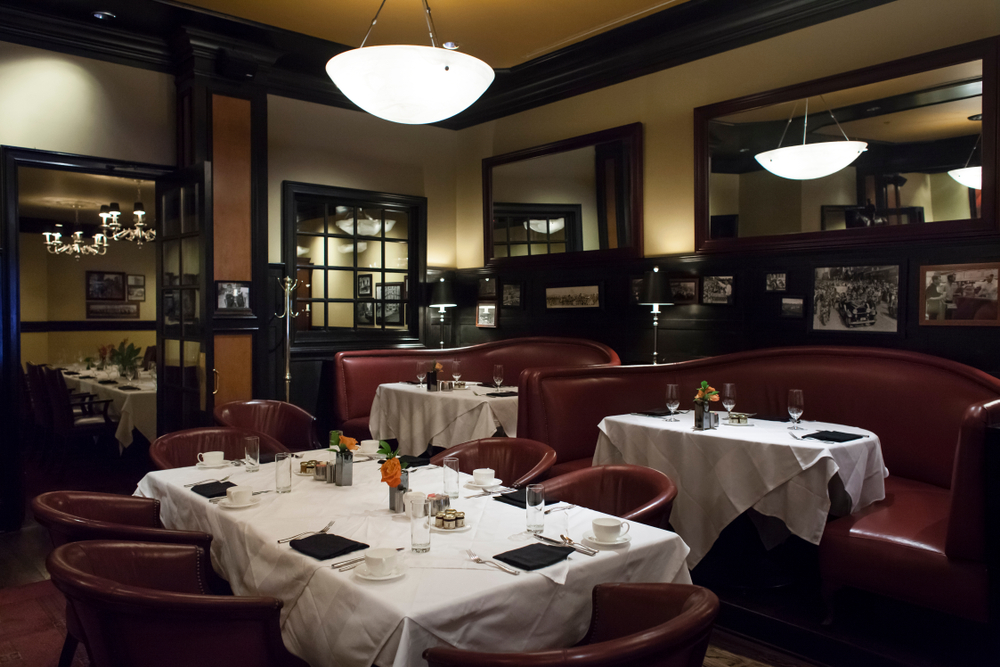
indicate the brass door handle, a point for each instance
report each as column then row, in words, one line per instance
column 215, row 390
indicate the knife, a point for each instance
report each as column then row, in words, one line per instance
column 556, row 543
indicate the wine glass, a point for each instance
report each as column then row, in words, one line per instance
column 456, row 370
column 795, row 407
column 421, row 372
column 152, row 374
column 673, row 401
column 729, row 398
column 112, row 372
column 498, row 375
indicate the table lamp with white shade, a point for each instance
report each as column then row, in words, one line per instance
column 442, row 296
column 656, row 293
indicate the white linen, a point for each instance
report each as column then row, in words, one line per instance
column 135, row 409
column 335, row 618
column 416, row 417
column 723, row 472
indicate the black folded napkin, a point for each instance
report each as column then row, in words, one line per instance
column 515, row 498
column 129, row 388
column 107, row 382
column 71, row 373
column 770, row 418
column 87, row 377
column 414, row 461
column 835, row 436
column 324, row 546
column 534, row 556
column 212, row 489
column 501, row 394
column 59, row 369
column 659, row 412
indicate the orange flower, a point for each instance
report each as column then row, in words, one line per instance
column 392, row 472
column 701, row 394
column 715, row 397
column 438, row 366
column 350, row 443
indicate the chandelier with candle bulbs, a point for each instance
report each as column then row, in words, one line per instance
column 76, row 246
column 118, row 232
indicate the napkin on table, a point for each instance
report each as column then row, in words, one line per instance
column 212, row 489
column 107, row 382
column 835, row 436
column 501, row 394
column 325, row 546
column 658, row 412
column 70, row 373
column 128, row 388
column 515, row 498
column 534, row 556
column 414, row 461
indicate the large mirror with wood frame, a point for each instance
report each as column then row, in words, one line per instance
column 579, row 198
column 915, row 124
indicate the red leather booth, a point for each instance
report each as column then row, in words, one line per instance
column 925, row 543
column 358, row 373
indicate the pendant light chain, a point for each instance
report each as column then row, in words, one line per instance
column 372, row 26
column 430, row 23
column 427, row 16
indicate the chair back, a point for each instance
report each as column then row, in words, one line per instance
column 25, row 412
column 287, row 423
column 515, row 461
column 181, row 448
column 145, row 604
column 59, row 403
column 39, row 394
column 635, row 493
column 149, row 358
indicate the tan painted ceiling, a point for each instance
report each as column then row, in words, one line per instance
column 503, row 33
column 51, row 194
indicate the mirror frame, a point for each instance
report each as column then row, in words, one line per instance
column 630, row 133
column 986, row 50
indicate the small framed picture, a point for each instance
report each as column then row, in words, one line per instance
column 488, row 288
column 512, row 295
column 389, row 309
column 232, row 298
column 365, row 313
column 364, row 285
column 112, row 311
column 776, row 282
column 959, row 295
column 105, row 286
column 136, row 293
column 856, row 298
column 486, row 314
column 684, row 291
column 577, row 296
column 792, row 307
column 717, row 290
column 136, row 280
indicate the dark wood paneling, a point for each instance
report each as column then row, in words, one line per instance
column 234, row 379
column 231, row 187
column 88, row 325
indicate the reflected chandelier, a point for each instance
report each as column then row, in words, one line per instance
column 410, row 84
column 809, row 161
column 76, row 246
column 115, row 230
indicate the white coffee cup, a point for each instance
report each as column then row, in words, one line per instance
column 239, row 495
column 211, row 458
column 369, row 446
column 381, row 562
column 482, row 475
column 411, row 497
column 608, row 529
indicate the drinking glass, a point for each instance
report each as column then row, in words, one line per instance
column 283, row 472
column 451, row 476
column 795, row 407
column 252, row 447
column 498, row 375
column 456, row 370
column 534, row 497
column 420, row 526
column 112, row 372
column 152, row 374
column 421, row 372
column 673, row 401
column 729, row 398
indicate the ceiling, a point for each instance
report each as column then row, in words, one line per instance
column 503, row 33
column 55, row 196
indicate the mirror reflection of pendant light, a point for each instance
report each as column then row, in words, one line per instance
column 809, row 161
column 368, row 227
column 410, row 84
column 545, row 226
column 970, row 177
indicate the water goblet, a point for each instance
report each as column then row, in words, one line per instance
column 673, row 401
column 456, row 370
column 795, row 407
column 421, row 372
column 729, row 398
column 498, row 375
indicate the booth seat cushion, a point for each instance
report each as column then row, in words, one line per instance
column 357, row 428
column 568, row 467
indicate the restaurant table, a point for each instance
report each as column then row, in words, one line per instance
column 135, row 409
column 443, row 598
column 416, row 417
column 723, row 472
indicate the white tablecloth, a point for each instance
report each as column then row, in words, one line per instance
column 336, row 618
column 417, row 417
column 136, row 409
column 723, row 472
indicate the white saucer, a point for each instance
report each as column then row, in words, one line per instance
column 494, row 482
column 225, row 502
column 728, row 424
column 205, row 466
column 624, row 539
column 362, row 573
column 464, row 528
column 302, row 474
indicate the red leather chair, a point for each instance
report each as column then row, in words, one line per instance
column 288, row 424
column 73, row 516
column 181, row 448
column 516, row 461
column 145, row 605
column 632, row 625
column 635, row 493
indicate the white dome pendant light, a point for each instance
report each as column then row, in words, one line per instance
column 410, row 84
column 809, row 161
column 970, row 177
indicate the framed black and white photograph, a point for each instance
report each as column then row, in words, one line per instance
column 578, row 296
column 512, row 295
column 365, row 313
column 717, row 290
column 486, row 314
column 635, row 290
column 136, row 293
column 105, row 286
column 389, row 309
column 488, row 288
column 684, row 291
column 856, row 298
column 792, row 307
column 776, row 282
column 136, row 280
column 364, row 285
column 392, row 291
column 112, row 311
column 232, row 297
column 959, row 295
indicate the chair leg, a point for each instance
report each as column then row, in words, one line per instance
column 68, row 651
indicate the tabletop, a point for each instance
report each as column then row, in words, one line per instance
column 337, row 618
column 416, row 417
column 136, row 409
column 723, row 472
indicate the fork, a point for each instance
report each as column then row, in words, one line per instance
column 308, row 532
column 560, row 508
column 499, row 566
column 206, row 481
column 255, row 493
